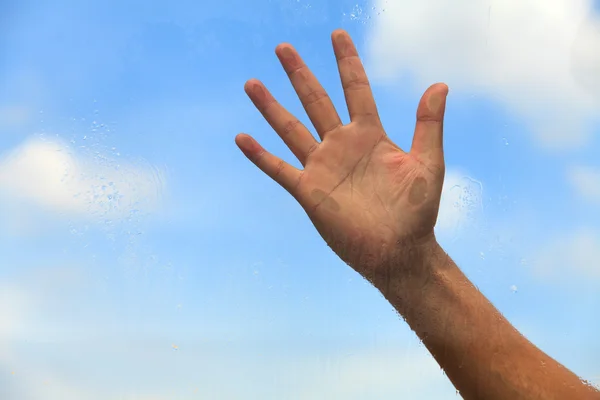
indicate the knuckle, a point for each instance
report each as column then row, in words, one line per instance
column 289, row 127
column 332, row 128
column 428, row 117
column 297, row 70
column 311, row 150
column 314, row 96
column 259, row 157
column 297, row 183
column 356, row 84
column 279, row 168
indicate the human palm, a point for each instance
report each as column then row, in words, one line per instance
column 365, row 195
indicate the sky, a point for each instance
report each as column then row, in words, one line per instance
column 143, row 257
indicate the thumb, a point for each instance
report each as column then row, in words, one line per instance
column 427, row 143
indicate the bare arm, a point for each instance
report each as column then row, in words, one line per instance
column 364, row 195
column 483, row 355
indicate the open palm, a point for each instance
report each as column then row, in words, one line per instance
column 364, row 194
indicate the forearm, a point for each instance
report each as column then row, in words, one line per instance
column 481, row 353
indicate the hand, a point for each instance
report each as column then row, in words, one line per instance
column 367, row 198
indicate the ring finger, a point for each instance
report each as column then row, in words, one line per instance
column 314, row 98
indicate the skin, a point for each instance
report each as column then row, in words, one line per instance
column 376, row 207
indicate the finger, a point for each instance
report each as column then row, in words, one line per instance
column 357, row 90
column 429, row 131
column 314, row 98
column 295, row 135
column 277, row 169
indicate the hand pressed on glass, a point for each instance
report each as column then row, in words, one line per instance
column 362, row 192
column 376, row 207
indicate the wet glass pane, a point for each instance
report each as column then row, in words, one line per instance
column 143, row 257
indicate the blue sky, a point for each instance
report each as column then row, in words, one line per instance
column 144, row 257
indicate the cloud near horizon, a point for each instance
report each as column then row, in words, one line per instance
column 534, row 58
column 50, row 175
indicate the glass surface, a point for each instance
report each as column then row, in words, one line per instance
column 142, row 256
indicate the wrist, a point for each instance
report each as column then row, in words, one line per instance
column 411, row 267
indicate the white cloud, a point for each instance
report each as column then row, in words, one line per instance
column 586, row 181
column 23, row 304
column 538, row 58
column 51, row 176
column 391, row 369
column 461, row 203
column 369, row 373
column 570, row 256
column 13, row 304
column 45, row 386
